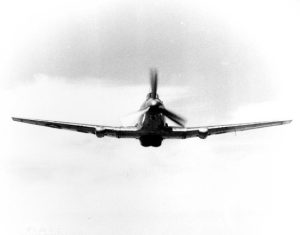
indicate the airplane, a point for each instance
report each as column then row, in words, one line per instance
column 151, row 128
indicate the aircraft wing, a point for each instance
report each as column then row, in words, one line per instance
column 99, row 131
column 204, row 131
column 135, row 132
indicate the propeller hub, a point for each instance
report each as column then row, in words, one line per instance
column 154, row 103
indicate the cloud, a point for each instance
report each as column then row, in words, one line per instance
column 217, row 64
column 73, row 182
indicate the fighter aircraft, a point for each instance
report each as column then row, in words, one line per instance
column 151, row 128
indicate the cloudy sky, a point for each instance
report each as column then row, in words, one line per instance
column 88, row 61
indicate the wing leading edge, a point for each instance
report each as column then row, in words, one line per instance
column 99, row 131
column 204, row 131
column 135, row 132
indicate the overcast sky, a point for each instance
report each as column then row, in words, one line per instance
column 88, row 62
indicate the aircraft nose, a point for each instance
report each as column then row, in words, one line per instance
column 154, row 103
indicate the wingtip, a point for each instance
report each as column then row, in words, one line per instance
column 287, row 121
column 16, row 119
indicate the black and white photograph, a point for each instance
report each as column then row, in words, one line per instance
column 149, row 117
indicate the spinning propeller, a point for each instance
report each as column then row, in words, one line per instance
column 155, row 103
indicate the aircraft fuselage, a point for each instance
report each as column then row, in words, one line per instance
column 151, row 122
